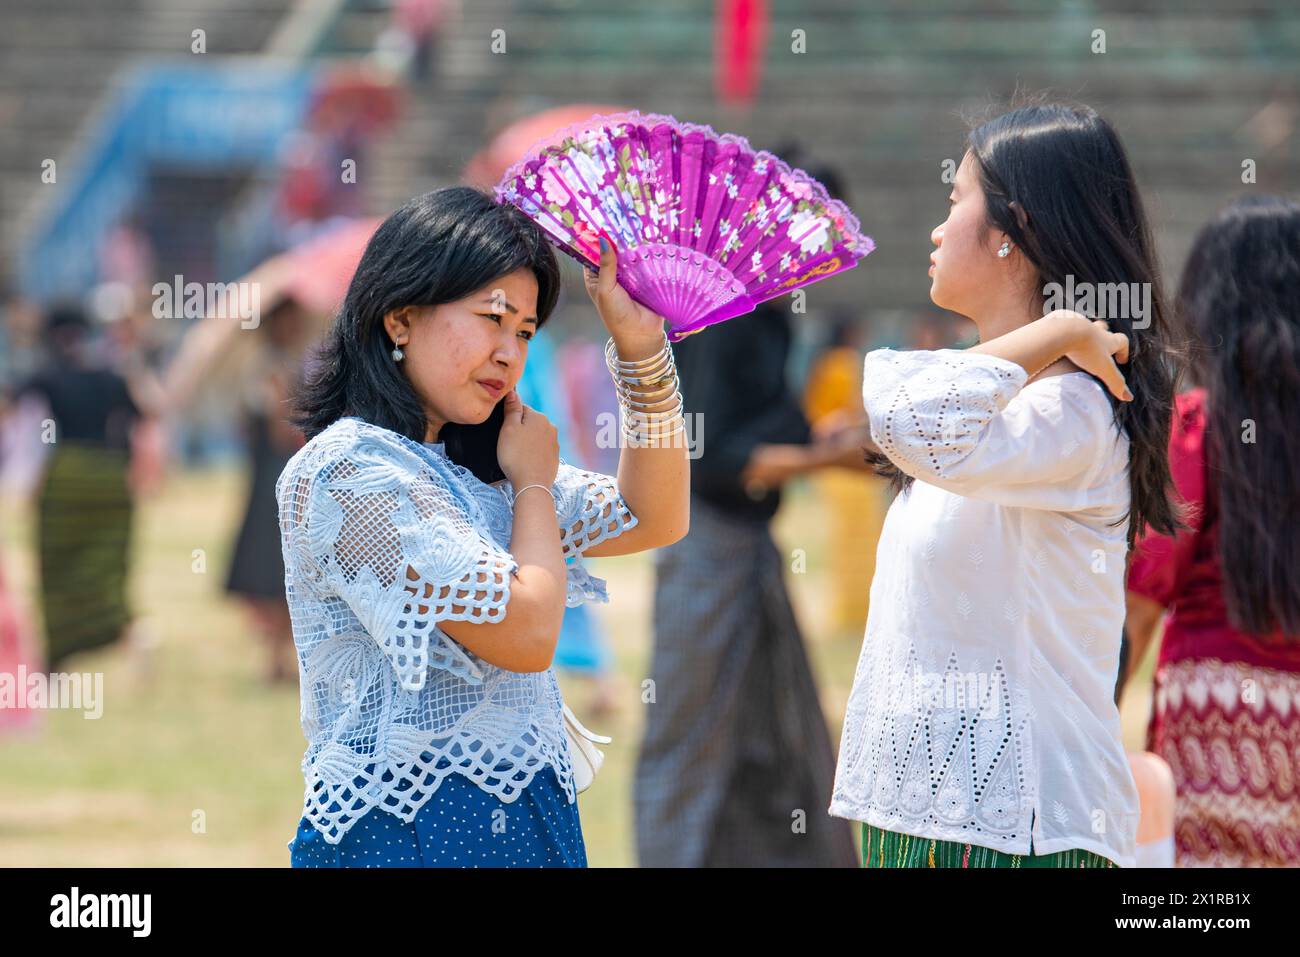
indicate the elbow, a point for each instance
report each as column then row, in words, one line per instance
column 535, row 663
column 539, row 655
column 533, row 653
column 538, row 652
column 680, row 524
column 669, row 532
column 529, row 659
column 679, row 531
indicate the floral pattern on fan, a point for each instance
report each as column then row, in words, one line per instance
column 705, row 226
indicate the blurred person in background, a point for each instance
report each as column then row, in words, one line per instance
column 18, row 656
column 260, row 367
column 1226, row 710
column 19, row 649
column 735, row 743
column 20, row 340
column 583, row 646
column 21, row 356
column 591, row 401
column 416, row 31
column 84, row 501
column 129, row 347
column 855, row 501
column 256, row 573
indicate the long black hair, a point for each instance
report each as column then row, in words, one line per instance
column 437, row 248
column 1237, row 303
column 1057, row 181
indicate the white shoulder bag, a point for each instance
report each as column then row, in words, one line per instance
column 583, row 753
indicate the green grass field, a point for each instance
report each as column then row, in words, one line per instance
column 197, row 762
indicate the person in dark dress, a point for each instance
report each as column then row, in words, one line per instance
column 736, row 763
column 84, row 502
column 256, row 573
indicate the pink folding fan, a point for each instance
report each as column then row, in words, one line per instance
column 706, row 227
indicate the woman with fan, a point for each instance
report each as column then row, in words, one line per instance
column 981, row 730
column 427, row 576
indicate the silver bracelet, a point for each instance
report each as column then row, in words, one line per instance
column 660, row 410
column 652, row 439
column 648, row 394
column 648, row 400
column 632, row 410
column 527, row 487
column 636, row 366
column 653, row 424
column 651, row 379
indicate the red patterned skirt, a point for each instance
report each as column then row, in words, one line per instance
column 1231, row 733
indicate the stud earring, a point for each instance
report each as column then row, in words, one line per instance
column 398, row 354
column 1005, row 249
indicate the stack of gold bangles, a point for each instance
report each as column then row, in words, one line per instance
column 648, row 396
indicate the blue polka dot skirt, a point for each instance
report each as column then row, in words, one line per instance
column 461, row 825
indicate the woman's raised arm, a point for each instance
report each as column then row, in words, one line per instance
column 1089, row 344
column 654, row 477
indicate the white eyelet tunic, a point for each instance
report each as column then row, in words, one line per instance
column 982, row 709
column 383, row 537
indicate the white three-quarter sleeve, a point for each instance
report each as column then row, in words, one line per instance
column 960, row 421
column 393, row 540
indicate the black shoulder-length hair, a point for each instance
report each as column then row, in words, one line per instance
column 438, row 248
column 1237, row 301
column 1057, row 181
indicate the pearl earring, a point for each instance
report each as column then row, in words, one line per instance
column 1005, row 249
column 398, row 354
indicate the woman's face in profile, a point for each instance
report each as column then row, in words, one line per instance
column 965, row 261
column 463, row 357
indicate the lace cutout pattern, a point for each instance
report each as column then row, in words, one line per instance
column 921, row 418
column 383, row 538
column 952, row 750
column 591, row 511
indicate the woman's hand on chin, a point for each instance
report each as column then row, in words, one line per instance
column 528, row 447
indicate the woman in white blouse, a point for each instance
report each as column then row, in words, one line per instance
column 432, row 539
column 981, row 729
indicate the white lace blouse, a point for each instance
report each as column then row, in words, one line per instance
column 982, row 708
column 391, row 704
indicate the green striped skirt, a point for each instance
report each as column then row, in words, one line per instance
column 882, row 848
column 83, row 528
